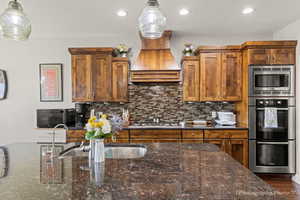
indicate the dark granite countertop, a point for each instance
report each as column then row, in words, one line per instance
column 188, row 127
column 175, row 127
column 167, row 172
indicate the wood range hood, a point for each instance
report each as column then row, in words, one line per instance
column 155, row 62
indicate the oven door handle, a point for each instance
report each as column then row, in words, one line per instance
column 272, row 142
column 274, row 107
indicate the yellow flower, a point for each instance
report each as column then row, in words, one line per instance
column 104, row 116
column 99, row 124
column 93, row 124
column 91, row 120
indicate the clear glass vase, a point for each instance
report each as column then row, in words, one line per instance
column 97, row 151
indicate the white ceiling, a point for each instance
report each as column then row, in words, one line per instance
column 208, row 17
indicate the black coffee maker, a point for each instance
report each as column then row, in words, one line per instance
column 81, row 114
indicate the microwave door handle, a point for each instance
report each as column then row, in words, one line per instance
column 274, row 143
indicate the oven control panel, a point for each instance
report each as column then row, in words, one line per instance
column 276, row 103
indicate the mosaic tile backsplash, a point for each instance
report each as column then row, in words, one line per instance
column 163, row 101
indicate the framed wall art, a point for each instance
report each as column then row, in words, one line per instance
column 3, row 84
column 51, row 82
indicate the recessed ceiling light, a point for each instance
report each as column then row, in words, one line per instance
column 184, row 11
column 122, row 13
column 248, row 10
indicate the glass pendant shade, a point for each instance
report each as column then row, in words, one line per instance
column 152, row 22
column 14, row 24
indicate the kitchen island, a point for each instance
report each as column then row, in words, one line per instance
column 167, row 171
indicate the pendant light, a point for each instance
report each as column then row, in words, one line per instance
column 152, row 21
column 14, row 24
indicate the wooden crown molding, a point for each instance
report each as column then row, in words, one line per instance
column 270, row 44
column 77, row 51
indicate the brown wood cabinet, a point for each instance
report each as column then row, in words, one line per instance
column 140, row 134
column 81, row 78
column 120, row 80
column 221, row 76
column 210, row 77
column 276, row 56
column 231, row 86
column 192, row 136
column 191, row 79
column 283, row 56
column 238, row 149
column 97, row 76
column 259, row 56
column 214, row 75
column 101, row 78
column 233, row 142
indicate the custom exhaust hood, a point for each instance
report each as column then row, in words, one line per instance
column 155, row 62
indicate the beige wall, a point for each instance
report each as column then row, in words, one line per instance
column 292, row 32
column 21, row 61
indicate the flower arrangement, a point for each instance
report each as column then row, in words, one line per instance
column 102, row 127
column 188, row 50
column 98, row 128
column 122, row 50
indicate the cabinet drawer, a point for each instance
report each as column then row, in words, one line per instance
column 226, row 134
column 155, row 134
column 135, row 141
column 109, row 140
column 76, row 133
column 123, row 134
column 192, row 134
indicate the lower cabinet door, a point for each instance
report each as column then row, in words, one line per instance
column 238, row 149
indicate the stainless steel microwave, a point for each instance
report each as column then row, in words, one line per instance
column 272, row 80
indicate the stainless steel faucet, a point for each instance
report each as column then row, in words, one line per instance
column 53, row 135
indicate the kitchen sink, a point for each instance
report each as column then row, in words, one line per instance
column 118, row 151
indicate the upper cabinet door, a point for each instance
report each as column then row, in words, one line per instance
column 283, row 56
column 120, row 81
column 259, row 56
column 101, row 77
column 210, row 76
column 191, row 80
column 81, row 78
column 231, row 76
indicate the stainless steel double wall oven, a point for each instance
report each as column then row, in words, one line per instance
column 272, row 149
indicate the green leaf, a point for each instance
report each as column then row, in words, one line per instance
column 101, row 136
column 89, row 135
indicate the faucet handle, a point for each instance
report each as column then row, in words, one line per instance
column 82, row 144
